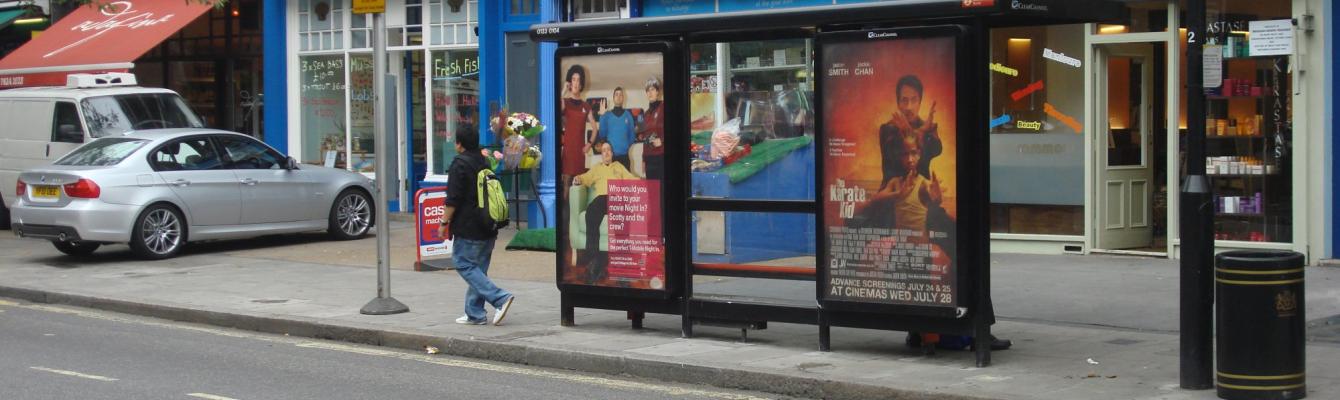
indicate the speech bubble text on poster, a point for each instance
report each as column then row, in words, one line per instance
column 636, row 248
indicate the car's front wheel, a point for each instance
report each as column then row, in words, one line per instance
column 159, row 232
column 78, row 249
column 351, row 216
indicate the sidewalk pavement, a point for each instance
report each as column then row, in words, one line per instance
column 1061, row 312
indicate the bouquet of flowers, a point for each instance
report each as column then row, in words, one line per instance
column 517, row 130
column 506, row 125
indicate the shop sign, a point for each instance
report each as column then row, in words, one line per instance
column 660, row 8
column 369, row 6
column 432, row 211
column 1270, row 38
column 1061, row 58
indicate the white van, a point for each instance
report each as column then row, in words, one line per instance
column 40, row 124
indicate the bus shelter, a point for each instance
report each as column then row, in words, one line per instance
column 855, row 195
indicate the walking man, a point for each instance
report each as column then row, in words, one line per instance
column 473, row 238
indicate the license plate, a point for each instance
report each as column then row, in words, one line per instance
column 46, row 192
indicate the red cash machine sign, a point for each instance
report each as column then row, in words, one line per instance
column 978, row 3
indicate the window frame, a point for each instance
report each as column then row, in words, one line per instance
column 151, row 157
column 56, row 136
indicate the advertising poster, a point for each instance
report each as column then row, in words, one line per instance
column 611, row 138
column 432, row 209
column 890, row 169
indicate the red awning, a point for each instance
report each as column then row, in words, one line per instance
column 96, row 40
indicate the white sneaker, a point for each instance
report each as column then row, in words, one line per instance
column 465, row 320
column 502, row 311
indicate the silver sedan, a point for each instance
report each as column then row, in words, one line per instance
column 159, row 189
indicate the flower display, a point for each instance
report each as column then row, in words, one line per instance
column 517, row 131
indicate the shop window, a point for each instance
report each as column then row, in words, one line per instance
column 597, row 9
column 455, row 83
column 362, row 155
column 321, row 24
column 452, row 22
column 1249, row 125
column 523, row 7
column 1037, row 130
column 752, row 120
column 321, row 95
column 1145, row 16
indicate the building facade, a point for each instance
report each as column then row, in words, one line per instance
column 1087, row 135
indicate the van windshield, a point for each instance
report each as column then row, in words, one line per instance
column 118, row 114
column 102, row 152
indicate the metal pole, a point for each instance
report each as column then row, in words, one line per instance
column 383, row 304
column 1197, row 214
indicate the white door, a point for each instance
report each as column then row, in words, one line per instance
column 1125, row 172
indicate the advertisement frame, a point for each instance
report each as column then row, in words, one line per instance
column 673, row 70
column 970, row 188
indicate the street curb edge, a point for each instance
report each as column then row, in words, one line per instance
column 774, row 383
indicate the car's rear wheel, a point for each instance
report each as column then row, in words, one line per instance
column 351, row 216
column 159, row 232
column 78, row 249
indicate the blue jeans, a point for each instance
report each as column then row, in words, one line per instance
column 472, row 262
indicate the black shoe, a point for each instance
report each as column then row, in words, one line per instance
column 913, row 340
column 997, row 344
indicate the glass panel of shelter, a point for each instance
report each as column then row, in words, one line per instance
column 751, row 121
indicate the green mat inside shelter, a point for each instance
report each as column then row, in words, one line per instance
column 760, row 156
column 541, row 239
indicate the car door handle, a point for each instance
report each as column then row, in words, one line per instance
column 181, row 182
column 248, row 181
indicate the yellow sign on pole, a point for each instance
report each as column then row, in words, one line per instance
column 369, row 6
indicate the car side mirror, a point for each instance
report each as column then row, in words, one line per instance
column 70, row 133
column 290, row 163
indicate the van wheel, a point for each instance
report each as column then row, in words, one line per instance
column 77, row 249
column 159, row 232
column 351, row 215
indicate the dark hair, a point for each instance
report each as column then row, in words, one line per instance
column 595, row 147
column 468, row 139
column 617, row 89
column 907, row 80
column 579, row 70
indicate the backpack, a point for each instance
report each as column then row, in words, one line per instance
column 492, row 201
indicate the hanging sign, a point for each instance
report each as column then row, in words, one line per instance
column 369, row 6
column 1212, row 72
column 1270, row 38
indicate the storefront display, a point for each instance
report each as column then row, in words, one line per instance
column 1248, row 128
column 321, row 93
column 1037, row 131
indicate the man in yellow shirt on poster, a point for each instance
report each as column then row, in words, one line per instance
column 598, row 178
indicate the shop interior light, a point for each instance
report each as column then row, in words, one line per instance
column 1110, row 29
column 1020, row 40
column 1243, row 33
column 30, row 21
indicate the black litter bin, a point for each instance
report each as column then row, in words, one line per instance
column 1259, row 325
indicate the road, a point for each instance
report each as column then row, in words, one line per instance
column 53, row 352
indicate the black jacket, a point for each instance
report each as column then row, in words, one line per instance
column 463, row 194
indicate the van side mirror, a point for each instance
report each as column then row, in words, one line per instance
column 70, row 133
column 290, row 163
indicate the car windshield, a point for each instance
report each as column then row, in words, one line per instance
column 102, row 152
column 114, row 115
